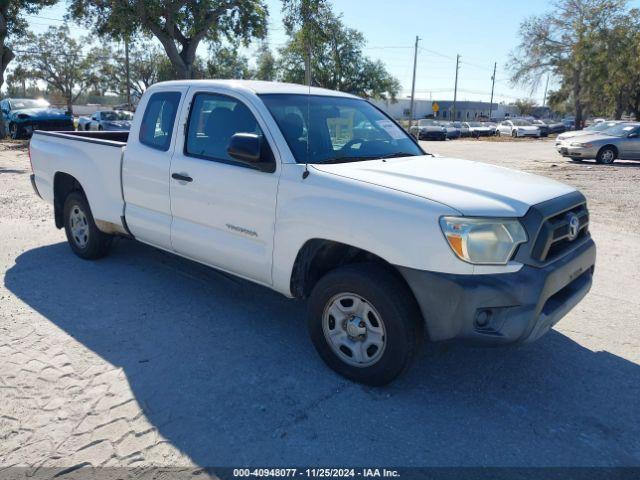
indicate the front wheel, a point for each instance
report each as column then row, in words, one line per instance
column 14, row 131
column 607, row 155
column 84, row 237
column 365, row 323
column 514, row 133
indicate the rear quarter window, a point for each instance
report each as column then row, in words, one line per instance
column 158, row 120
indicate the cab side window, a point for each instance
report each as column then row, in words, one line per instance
column 158, row 120
column 213, row 120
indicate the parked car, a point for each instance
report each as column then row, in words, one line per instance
column 542, row 126
column 115, row 120
column 479, row 129
column 22, row 116
column 569, row 123
column 555, row 126
column 453, row 132
column 517, row 128
column 463, row 127
column 591, row 129
column 383, row 240
column 622, row 141
column 427, row 129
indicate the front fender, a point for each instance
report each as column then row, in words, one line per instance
column 400, row 228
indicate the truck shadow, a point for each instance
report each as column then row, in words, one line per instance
column 225, row 371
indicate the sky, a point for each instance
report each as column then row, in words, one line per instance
column 482, row 32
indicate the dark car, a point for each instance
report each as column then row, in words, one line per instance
column 555, row 126
column 543, row 126
column 428, row 130
column 453, row 132
column 22, row 116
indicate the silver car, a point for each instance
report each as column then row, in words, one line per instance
column 622, row 141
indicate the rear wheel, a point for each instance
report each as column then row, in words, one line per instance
column 364, row 323
column 607, row 155
column 84, row 237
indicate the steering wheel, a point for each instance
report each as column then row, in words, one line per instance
column 351, row 143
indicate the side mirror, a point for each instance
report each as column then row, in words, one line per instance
column 245, row 147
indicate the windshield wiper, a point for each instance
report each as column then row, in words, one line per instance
column 345, row 159
column 397, row 154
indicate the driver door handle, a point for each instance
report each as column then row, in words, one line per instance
column 181, row 177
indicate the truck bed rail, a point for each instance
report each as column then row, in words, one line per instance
column 115, row 139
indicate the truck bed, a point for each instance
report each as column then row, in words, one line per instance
column 94, row 159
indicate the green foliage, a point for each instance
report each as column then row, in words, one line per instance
column 265, row 64
column 226, row 62
column 13, row 27
column 57, row 59
column 525, row 106
column 179, row 25
column 573, row 41
column 337, row 61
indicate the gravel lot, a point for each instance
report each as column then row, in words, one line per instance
column 147, row 359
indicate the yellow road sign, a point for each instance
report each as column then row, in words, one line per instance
column 435, row 107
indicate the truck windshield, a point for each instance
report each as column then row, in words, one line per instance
column 326, row 129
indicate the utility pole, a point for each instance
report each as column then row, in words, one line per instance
column 455, row 89
column 544, row 99
column 128, row 73
column 493, row 84
column 413, row 83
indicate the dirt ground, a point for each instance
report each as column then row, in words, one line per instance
column 147, row 359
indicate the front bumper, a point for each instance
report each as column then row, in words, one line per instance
column 502, row 308
column 578, row 152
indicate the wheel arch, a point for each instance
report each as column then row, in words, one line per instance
column 609, row 145
column 319, row 256
column 63, row 185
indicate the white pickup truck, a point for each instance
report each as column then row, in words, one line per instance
column 320, row 195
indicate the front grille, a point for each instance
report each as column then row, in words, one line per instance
column 553, row 238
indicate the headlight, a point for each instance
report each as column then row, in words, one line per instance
column 483, row 240
column 578, row 144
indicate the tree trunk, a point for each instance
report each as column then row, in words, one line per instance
column 577, row 101
column 5, row 57
column 70, row 103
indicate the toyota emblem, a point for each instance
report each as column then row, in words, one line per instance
column 574, row 226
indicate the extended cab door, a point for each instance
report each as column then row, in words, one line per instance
column 147, row 162
column 223, row 210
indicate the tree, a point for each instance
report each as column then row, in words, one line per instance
column 305, row 20
column 226, row 62
column 559, row 42
column 13, row 27
column 265, row 64
column 337, row 62
column 525, row 106
column 179, row 25
column 148, row 65
column 56, row 58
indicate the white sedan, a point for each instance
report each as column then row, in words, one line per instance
column 517, row 128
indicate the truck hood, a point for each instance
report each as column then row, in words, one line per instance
column 472, row 188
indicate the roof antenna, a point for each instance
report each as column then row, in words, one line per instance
column 305, row 174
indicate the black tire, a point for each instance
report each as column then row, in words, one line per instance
column 92, row 244
column 576, row 159
column 514, row 133
column 398, row 312
column 14, row 131
column 607, row 155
